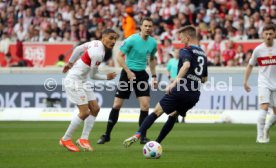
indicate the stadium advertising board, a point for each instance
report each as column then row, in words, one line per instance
column 37, row 96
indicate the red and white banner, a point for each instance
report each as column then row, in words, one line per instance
column 46, row 54
column 42, row 54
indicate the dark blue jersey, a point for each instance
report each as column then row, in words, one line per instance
column 198, row 66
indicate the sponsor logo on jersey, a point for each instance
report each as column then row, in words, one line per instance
column 82, row 98
column 267, row 60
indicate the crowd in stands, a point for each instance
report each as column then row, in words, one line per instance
column 223, row 22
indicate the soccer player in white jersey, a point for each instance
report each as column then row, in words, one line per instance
column 265, row 56
column 80, row 92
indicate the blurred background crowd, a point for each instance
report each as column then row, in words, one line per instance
column 222, row 22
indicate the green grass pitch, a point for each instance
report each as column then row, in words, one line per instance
column 35, row 145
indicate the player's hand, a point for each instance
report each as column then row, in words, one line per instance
column 67, row 67
column 111, row 75
column 246, row 87
column 131, row 75
column 170, row 87
column 154, row 82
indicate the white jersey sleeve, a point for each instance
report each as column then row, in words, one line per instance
column 78, row 51
column 96, row 53
column 89, row 61
column 253, row 59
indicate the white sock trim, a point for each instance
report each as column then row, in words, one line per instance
column 75, row 122
column 261, row 123
column 88, row 125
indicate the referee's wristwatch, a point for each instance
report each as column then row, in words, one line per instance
column 153, row 76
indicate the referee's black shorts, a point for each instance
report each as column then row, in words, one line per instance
column 140, row 85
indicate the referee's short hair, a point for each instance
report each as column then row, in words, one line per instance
column 190, row 30
column 147, row 19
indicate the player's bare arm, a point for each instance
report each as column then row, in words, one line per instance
column 153, row 72
column 182, row 72
column 68, row 66
column 97, row 76
column 248, row 71
column 121, row 61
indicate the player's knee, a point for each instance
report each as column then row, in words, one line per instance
column 264, row 106
column 158, row 113
column 145, row 108
column 117, row 105
column 84, row 114
column 94, row 110
column 97, row 109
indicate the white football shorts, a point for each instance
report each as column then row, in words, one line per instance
column 79, row 93
column 267, row 96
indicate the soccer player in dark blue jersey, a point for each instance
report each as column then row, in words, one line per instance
column 184, row 92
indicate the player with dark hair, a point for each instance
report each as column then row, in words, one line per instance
column 138, row 48
column 184, row 92
column 80, row 92
column 265, row 55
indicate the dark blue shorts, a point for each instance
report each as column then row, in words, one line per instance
column 180, row 101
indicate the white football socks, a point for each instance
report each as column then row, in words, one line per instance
column 261, row 123
column 271, row 121
column 88, row 125
column 75, row 122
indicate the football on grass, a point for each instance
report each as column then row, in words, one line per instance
column 152, row 150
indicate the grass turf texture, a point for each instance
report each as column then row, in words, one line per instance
column 35, row 144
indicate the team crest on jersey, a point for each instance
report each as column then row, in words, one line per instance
column 82, row 98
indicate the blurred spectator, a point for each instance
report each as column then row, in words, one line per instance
column 54, row 38
column 8, row 61
column 240, row 35
column 211, row 10
column 215, row 48
column 60, row 62
column 83, row 34
column 166, row 12
column 217, row 62
column 273, row 14
column 83, row 20
column 128, row 23
column 166, row 49
column 239, row 57
column 173, row 64
column 21, row 34
column 5, row 43
column 228, row 55
column 252, row 33
column 34, row 36
column 167, row 34
column 66, row 37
